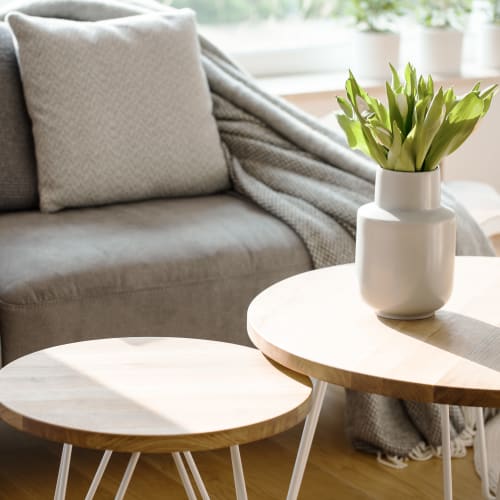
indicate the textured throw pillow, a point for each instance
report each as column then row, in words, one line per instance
column 121, row 109
column 18, row 189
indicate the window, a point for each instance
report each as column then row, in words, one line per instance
column 237, row 11
column 270, row 37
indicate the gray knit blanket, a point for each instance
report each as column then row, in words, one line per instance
column 303, row 173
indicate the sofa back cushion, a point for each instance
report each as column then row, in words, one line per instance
column 121, row 109
column 18, row 190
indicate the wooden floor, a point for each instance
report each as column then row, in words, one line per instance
column 28, row 469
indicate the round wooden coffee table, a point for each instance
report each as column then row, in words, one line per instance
column 316, row 323
column 151, row 395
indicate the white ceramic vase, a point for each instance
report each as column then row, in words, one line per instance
column 372, row 52
column 489, row 46
column 405, row 245
column 439, row 51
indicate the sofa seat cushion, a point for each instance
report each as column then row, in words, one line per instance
column 178, row 267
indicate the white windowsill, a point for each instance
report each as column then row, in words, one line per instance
column 333, row 82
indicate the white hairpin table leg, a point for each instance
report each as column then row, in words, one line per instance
column 127, row 476
column 98, row 475
column 239, row 478
column 186, row 482
column 62, row 477
column 483, row 458
column 307, row 438
column 196, row 475
column 446, row 451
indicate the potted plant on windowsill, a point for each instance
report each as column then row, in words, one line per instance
column 489, row 37
column 405, row 242
column 375, row 42
column 440, row 35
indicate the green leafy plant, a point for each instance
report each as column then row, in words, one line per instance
column 417, row 128
column 442, row 13
column 375, row 15
column 236, row 11
column 495, row 11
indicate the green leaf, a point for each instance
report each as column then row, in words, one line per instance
column 487, row 104
column 428, row 128
column 430, row 86
column 410, row 80
column 449, row 99
column 456, row 129
column 345, row 107
column 449, row 138
column 491, row 90
column 354, row 133
column 469, row 107
column 381, row 135
column 379, row 110
column 396, row 82
column 487, row 96
column 407, row 157
column 376, row 151
column 395, row 150
column 421, row 88
column 394, row 114
column 351, row 96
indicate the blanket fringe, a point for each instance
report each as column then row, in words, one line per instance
column 460, row 444
column 423, row 452
column 392, row 461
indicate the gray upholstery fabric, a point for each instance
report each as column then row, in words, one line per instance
column 121, row 109
column 18, row 190
column 181, row 267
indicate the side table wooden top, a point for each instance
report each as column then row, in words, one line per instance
column 151, row 394
column 317, row 323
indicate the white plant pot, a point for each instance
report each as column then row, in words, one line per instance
column 489, row 46
column 405, row 245
column 372, row 52
column 439, row 51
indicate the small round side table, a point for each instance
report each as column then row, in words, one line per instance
column 316, row 323
column 152, row 395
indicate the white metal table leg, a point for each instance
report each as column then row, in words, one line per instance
column 186, row 482
column 239, row 478
column 62, row 476
column 127, row 476
column 483, row 458
column 98, row 475
column 307, row 438
column 446, row 452
column 196, row 475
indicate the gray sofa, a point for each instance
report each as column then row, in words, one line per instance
column 178, row 267
column 164, row 267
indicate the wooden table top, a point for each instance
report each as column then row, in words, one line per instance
column 317, row 323
column 151, row 394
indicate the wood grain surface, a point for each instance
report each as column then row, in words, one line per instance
column 316, row 323
column 151, row 394
column 28, row 469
